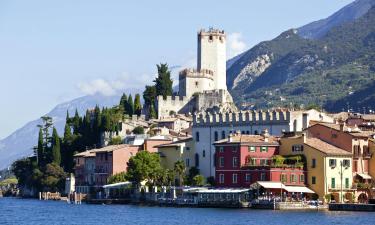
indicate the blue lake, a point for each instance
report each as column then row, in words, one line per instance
column 28, row 211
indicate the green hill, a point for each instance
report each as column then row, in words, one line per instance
column 334, row 71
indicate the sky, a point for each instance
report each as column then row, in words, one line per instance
column 55, row 51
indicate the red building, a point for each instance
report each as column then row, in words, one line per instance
column 245, row 159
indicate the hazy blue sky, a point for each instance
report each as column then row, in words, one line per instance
column 54, row 51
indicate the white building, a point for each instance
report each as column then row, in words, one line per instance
column 208, row 128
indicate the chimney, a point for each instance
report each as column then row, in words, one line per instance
column 230, row 138
column 304, row 136
column 266, row 135
column 342, row 126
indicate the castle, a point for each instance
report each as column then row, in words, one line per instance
column 204, row 87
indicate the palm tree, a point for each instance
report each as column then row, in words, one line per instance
column 179, row 168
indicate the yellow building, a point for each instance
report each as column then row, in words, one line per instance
column 329, row 168
column 182, row 149
column 371, row 169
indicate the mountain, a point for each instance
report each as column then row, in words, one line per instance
column 349, row 13
column 20, row 143
column 330, row 70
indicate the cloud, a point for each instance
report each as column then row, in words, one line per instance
column 235, row 44
column 111, row 87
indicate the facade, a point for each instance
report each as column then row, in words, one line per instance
column 206, row 81
column 329, row 168
column 351, row 140
column 182, row 149
column 111, row 160
column 242, row 160
column 176, row 124
column 211, row 127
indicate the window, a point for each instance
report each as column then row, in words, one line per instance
column 187, row 148
column 248, row 178
column 221, row 161
column 256, row 132
column 293, row 178
column 283, row 178
column 302, row 178
column 251, row 149
column 197, row 136
column 253, row 161
column 222, row 134
column 247, row 132
column 332, row 163
column 234, row 178
column 346, row 183
column 334, row 135
column 196, row 159
column 262, row 176
column 221, row 178
column 297, row 148
column 211, row 38
column 333, row 182
column 196, row 84
column 346, row 163
column 313, row 163
column 235, row 149
column 313, row 180
column 187, row 162
column 264, row 149
column 235, row 162
column 243, row 132
column 204, row 153
column 216, row 136
column 221, row 149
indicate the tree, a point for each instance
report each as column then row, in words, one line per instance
column 163, row 83
column 116, row 178
column 143, row 166
column 53, row 178
column 40, row 148
column 137, row 105
column 198, row 180
column 45, row 128
column 115, row 141
column 130, row 108
column 76, row 122
column 153, row 114
column 179, row 168
column 123, row 102
column 193, row 171
column 149, row 96
column 138, row 130
column 56, row 152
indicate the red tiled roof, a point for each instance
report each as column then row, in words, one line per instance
column 325, row 147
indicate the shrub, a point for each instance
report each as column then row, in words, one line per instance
column 139, row 130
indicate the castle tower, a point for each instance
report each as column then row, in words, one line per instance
column 211, row 55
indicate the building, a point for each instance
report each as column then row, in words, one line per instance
column 111, row 160
column 329, row 168
column 182, row 149
column 349, row 139
column 211, row 127
column 242, row 160
column 94, row 167
column 205, row 86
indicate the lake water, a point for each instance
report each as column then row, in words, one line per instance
column 28, row 211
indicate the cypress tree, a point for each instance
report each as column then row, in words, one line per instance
column 76, row 122
column 40, row 148
column 153, row 114
column 123, row 103
column 163, row 83
column 130, row 106
column 137, row 105
column 56, row 153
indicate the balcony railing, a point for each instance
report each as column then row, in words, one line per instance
column 275, row 165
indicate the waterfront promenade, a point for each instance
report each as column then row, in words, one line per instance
column 29, row 211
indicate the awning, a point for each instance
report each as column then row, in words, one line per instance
column 117, row 185
column 268, row 185
column 298, row 189
column 364, row 176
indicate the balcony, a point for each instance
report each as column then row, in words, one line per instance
column 366, row 155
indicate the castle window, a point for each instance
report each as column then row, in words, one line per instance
column 204, row 153
column 196, row 84
column 196, row 159
column 216, row 136
column 210, row 38
column 256, row 132
column 222, row 134
column 197, row 136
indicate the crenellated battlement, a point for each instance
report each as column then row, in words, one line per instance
column 203, row 73
column 211, row 31
column 241, row 117
column 172, row 100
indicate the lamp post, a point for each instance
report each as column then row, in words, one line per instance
column 341, row 175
